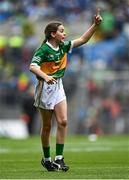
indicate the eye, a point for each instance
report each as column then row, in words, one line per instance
column 61, row 30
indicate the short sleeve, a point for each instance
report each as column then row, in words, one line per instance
column 67, row 46
column 38, row 57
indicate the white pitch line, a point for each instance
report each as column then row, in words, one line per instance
column 67, row 149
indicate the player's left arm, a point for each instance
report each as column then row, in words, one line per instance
column 88, row 34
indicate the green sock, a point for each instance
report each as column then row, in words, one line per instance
column 59, row 149
column 46, row 151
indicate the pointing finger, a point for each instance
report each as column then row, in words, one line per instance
column 98, row 12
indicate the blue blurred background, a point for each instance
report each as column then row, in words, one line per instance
column 97, row 77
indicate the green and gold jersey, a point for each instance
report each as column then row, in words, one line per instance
column 52, row 61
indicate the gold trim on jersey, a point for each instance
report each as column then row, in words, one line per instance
column 53, row 67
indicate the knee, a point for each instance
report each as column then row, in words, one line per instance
column 46, row 129
column 63, row 122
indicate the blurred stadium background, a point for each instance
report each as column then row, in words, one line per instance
column 97, row 78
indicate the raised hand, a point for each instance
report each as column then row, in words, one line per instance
column 97, row 17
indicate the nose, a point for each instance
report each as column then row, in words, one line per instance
column 64, row 34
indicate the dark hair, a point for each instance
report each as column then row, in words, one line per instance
column 51, row 27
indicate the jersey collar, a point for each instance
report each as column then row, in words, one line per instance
column 56, row 49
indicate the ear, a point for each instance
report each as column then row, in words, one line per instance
column 53, row 34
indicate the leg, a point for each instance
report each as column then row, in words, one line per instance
column 45, row 138
column 61, row 117
column 46, row 116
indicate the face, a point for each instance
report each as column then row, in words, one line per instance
column 60, row 34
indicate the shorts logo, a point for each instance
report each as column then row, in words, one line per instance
column 48, row 90
column 49, row 104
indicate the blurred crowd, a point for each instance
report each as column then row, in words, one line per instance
column 108, row 50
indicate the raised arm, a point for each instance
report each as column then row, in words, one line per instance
column 88, row 34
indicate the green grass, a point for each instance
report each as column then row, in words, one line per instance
column 106, row 158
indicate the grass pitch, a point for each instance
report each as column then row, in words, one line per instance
column 105, row 158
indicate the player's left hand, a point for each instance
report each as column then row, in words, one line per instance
column 97, row 17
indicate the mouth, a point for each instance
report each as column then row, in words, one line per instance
column 63, row 39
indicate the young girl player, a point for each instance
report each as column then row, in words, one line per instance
column 49, row 64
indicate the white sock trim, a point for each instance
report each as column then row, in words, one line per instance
column 58, row 157
column 47, row 159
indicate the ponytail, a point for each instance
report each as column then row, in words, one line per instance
column 44, row 41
